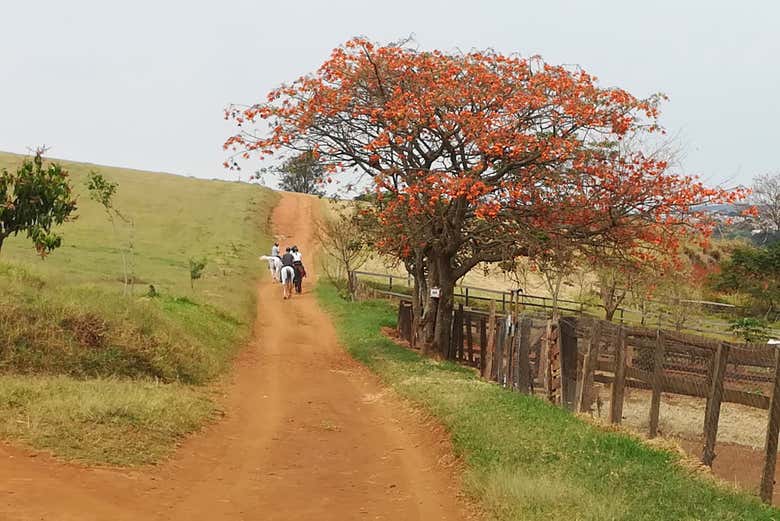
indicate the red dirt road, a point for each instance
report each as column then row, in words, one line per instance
column 308, row 434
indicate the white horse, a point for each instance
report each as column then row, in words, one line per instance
column 274, row 266
column 288, row 275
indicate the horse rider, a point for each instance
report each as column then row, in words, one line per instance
column 300, row 271
column 287, row 273
column 275, row 250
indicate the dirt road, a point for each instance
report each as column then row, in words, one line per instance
column 308, row 434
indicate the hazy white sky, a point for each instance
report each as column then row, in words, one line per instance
column 143, row 83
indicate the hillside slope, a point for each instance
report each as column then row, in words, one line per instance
column 77, row 357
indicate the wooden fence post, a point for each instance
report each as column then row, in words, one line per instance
column 400, row 322
column 407, row 329
column 714, row 397
column 461, row 336
column 585, row 384
column 469, row 338
column 498, row 352
column 619, row 383
column 491, row 338
column 772, row 430
column 415, row 327
column 524, row 378
column 482, row 345
column 546, row 362
column 567, row 345
column 658, row 373
column 514, row 354
column 452, row 352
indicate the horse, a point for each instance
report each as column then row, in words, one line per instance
column 287, row 275
column 274, row 266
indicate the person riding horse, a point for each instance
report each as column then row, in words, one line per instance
column 300, row 271
column 287, row 274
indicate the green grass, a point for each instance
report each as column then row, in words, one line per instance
column 176, row 218
column 526, row 459
column 105, row 421
column 113, row 378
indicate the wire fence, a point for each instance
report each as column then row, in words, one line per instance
column 690, row 316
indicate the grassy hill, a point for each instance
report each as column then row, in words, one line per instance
column 97, row 375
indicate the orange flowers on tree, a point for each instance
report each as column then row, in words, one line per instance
column 477, row 157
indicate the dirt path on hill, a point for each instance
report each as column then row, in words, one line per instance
column 308, row 434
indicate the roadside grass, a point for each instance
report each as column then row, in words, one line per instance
column 90, row 332
column 103, row 421
column 526, row 459
column 116, row 379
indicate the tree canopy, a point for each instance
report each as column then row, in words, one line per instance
column 755, row 272
column 302, row 173
column 480, row 157
column 34, row 200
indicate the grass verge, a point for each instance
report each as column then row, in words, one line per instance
column 105, row 421
column 526, row 459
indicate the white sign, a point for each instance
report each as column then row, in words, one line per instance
column 435, row 292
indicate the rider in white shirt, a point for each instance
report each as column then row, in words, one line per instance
column 300, row 271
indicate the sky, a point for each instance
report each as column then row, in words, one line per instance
column 143, row 84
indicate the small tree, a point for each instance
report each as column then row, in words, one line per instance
column 752, row 330
column 755, row 272
column 556, row 260
column 196, row 270
column 303, row 173
column 341, row 238
column 102, row 191
column 619, row 276
column 34, row 200
column 766, row 198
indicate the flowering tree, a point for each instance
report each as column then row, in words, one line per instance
column 476, row 157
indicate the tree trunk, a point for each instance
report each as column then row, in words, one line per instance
column 428, row 323
column 556, row 291
column 351, row 284
column 124, row 272
column 2, row 239
column 443, row 330
column 420, row 295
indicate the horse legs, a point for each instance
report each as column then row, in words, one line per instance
column 271, row 267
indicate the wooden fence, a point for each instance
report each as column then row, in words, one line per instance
column 563, row 360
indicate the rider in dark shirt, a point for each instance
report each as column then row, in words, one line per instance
column 287, row 258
